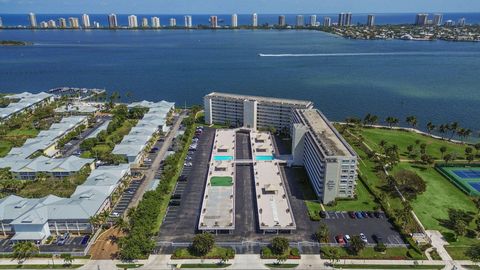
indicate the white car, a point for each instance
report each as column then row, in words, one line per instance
column 363, row 237
column 347, row 238
column 115, row 214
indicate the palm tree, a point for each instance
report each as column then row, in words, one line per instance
column 447, row 158
column 391, row 121
column 121, row 224
column 430, row 127
column 453, row 127
column 442, row 129
column 24, row 250
column 412, row 120
column 443, row 149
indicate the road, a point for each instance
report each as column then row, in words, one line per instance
column 150, row 173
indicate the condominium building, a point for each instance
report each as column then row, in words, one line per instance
column 327, row 21
column 144, row 22
column 462, row 22
column 328, row 159
column 112, row 21
column 73, row 22
column 437, row 19
column 188, row 21
column 348, row 19
column 313, row 20
column 173, row 22
column 1, row 22
column 254, row 20
column 213, row 21
column 421, row 19
column 51, row 24
column 43, row 24
column 85, row 21
column 155, row 22
column 234, row 20
column 299, row 21
column 371, row 20
column 251, row 111
column 281, row 21
column 132, row 21
column 33, row 20
column 62, row 23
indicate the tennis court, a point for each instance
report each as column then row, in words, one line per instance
column 465, row 177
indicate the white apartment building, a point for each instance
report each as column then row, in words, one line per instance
column 234, row 20
column 155, row 22
column 86, row 21
column 330, row 162
column 188, row 21
column 251, row 111
column 132, row 21
column 254, row 20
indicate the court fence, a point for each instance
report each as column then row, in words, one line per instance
column 462, row 185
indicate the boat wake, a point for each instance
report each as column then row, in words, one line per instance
column 342, row 54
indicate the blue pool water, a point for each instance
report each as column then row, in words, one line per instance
column 263, row 158
column 222, row 158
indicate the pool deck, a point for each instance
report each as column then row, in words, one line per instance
column 273, row 206
column 218, row 205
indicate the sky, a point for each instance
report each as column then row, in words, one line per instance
column 236, row 6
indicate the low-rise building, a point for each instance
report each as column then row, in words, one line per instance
column 23, row 101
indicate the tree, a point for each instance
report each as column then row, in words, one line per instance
column 410, row 184
column 447, row 158
column 322, row 233
column 442, row 129
column 67, row 258
column 443, row 149
column 391, row 121
column 24, row 250
column 473, row 252
column 334, row 255
column 282, row 258
column 460, row 228
column 203, row 243
column 279, row 245
column 356, row 244
column 430, row 127
column 412, row 120
column 453, row 128
column 380, row 247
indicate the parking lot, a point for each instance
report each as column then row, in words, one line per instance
column 126, row 198
column 181, row 220
column 340, row 223
column 75, row 243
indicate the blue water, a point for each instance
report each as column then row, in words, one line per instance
column 264, row 158
column 222, row 158
column 243, row 19
column 436, row 81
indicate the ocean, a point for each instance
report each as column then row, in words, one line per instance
column 436, row 81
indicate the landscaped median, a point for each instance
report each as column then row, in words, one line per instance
column 369, row 253
column 39, row 266
column 215, row 253
column 386, row 266
column 204, row 265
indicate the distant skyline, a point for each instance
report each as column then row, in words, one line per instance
column 230, row 6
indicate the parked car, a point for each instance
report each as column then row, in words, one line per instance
column 323, row 214
column 363, row 237
column 376, row 214
column 358, row 215
column 114, row 214
column 85, row 240
column 364, row 214
column 339, row 239
column 347, row 238
column 370, row 214
column 351, row 214
column 63, row 239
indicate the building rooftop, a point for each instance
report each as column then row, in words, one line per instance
column 294, row 102
column 273, row 206
column 218, row 205
column 325, row 133
column 22, row 101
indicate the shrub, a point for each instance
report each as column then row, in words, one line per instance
column 380, row 247
column 202, row 244
column 295, row 252
column 279, row 245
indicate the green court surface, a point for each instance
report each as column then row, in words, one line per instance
column 221, row 181
column 465, row 177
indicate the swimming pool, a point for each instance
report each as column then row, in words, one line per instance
column 222, row 158
column 264, row 158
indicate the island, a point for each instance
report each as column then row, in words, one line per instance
column 14, row 43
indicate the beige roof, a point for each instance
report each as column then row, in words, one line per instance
column 262, row 99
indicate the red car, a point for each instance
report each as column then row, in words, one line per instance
column 340, row 240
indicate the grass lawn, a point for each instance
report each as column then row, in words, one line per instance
column 215, row 253
column 5, row 147
column 313, row 208
column 472, row 267
column 129, row 265
column 364, row 201
column 283, row 265
column 397, row 253
column 39, row 266
column 101, row 148
column 29, row 132
column 386, row 266
column 440, row 195
column 402, row 139
column 221, row 181
column 457, row 253
column 204, row 265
